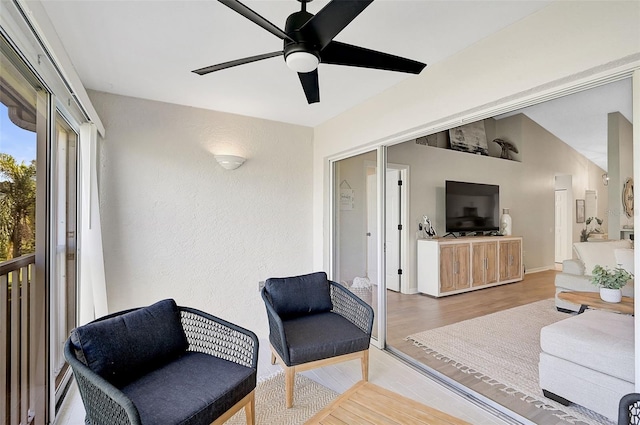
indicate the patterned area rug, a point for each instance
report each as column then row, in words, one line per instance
column 309, row 398
column 503, row 349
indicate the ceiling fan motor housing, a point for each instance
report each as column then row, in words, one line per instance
column 302, row 41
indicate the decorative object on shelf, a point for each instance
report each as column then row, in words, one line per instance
column 605, row 179
column 505, row 222
column 587, row 232
column 507, row 147
column 427, row 228
column 579, row 210
column 470, row 138
column 610, row 282
column 430, row 140
column 627, row 197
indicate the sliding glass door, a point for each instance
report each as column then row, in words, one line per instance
column 356, row 229
column 38, row 273
column 23, row 170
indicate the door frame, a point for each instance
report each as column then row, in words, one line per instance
column 405, row 281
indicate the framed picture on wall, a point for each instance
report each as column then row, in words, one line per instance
column 469, row 138
column 579, row 210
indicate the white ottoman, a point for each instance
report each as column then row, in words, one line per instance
column 588, row 359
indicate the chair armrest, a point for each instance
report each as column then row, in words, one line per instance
column 277, row 336
column 573, row 267
column 217, row 337
column 104, row 403
column 351, row 307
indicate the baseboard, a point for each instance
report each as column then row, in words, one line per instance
column 539, row 269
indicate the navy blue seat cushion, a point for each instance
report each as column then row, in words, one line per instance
column 299, row 295
column 195, row 389
column 322, row 336
column 124, row 347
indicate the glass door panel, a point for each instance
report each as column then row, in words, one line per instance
column 63, row 249
column 356, row 235
column 22, row 329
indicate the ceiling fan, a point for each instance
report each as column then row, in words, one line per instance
column 308, row 41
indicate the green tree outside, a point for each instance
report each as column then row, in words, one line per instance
column 17, row 207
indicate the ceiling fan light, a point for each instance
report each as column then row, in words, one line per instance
column 302, row 61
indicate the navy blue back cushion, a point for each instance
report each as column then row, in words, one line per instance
column 127, row 346
column 299, row 295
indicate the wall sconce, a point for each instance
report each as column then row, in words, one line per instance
column 605, row 179
column 229, row 162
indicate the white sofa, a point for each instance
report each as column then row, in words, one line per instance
column 588, row 359
column 576, row 273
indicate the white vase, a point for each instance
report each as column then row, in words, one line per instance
column 505, row 222
column 611, row 295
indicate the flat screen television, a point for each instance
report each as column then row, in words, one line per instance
column 471, row 207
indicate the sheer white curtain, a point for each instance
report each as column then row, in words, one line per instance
column 92, row 286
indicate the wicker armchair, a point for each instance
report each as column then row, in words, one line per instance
column 163, row 364
column 629, row 411
column 314, row 322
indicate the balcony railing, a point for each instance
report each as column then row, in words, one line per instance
column 17, row 335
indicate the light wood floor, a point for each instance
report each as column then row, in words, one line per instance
column 407, row 314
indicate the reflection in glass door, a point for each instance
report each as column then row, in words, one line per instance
column 356, row 239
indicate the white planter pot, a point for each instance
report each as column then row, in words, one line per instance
column 611, row 295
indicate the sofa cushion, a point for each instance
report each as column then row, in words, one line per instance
column 299, row 295
column 195, row 386
column 599, row 253
column 322, row 336
column 124, row 347
column 596, row 339
column 624, row 259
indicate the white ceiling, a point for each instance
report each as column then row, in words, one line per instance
column 147, row 49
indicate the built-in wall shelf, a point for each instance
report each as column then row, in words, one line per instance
column 477, row 138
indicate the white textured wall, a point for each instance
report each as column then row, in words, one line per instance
column 176, row 224
column 561, row 41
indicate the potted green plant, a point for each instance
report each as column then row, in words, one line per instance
column 610, row 282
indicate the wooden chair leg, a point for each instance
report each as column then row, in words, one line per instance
column 365, row 365
column 273, row 358
column 290, row 378
column 250, row 410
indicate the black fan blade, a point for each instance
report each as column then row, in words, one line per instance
column 255, row 18
column 310, row 85
column 225, row 65
column 332, row 19
column 337, row 53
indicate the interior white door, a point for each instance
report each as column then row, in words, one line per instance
column 372, row 229
column 590, row 203
column 561, row 226
column 392, row 232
